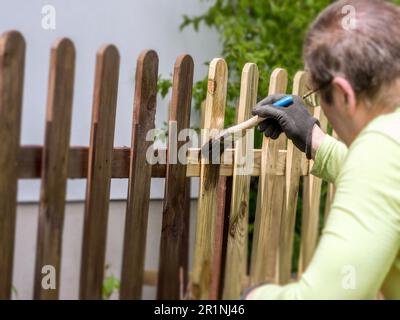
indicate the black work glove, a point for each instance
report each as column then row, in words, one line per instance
column 294, row 120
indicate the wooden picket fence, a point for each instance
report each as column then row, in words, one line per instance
column 220, row 266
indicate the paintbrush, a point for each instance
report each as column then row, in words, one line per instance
column 214, row 148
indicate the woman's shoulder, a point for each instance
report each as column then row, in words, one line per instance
column 386, row 124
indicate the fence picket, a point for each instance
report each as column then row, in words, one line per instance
column 139, row 177
column 99, row 173
column 224, row 195
column 294, row 159
column 174, row 248
column 236, row 260
column 270, row 199
column 209, row 176
column 55, row 165
column 12, row 59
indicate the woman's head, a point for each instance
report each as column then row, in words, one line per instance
column 352, row 51
column 365, row 51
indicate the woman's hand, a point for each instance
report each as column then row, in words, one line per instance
column 295, row 120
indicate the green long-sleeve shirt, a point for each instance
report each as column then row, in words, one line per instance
column 359, row 251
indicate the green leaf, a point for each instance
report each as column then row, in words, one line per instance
column 14, row 292
column 163, row 86
column 110, row 285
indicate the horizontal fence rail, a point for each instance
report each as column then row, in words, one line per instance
column 222, row 264
column 30, row 157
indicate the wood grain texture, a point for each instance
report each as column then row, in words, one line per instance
column 174, row 250
column 139, row 177
column 55, row 165
column 184, row 275
column 224, row 196
column 209, row 176
column 12, row 59
column 270, row 200
column 236, row 259
column 294, row 160
column 311, row 212
column 30, row 163
column 99, row 173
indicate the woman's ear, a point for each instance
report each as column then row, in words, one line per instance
column 343, row 94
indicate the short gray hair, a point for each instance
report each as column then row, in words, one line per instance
column 368, row 55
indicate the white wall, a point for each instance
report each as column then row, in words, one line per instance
column 25, row 246
column 132, row 25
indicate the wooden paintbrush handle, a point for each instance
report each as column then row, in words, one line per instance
column 248, row 124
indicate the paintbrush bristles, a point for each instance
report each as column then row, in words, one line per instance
column 215, row 147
